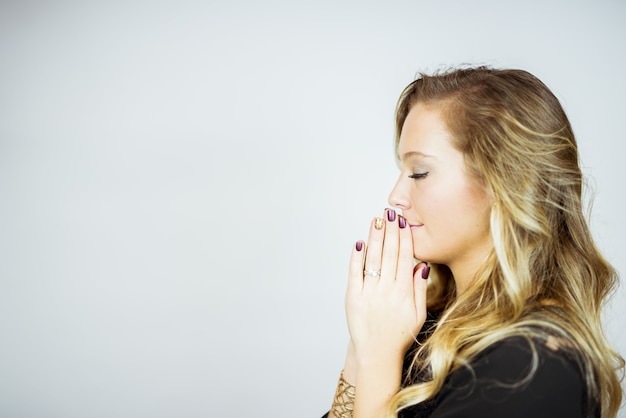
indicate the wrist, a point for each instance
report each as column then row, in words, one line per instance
column 350, row 365
column 374, row 359
column 343, row 402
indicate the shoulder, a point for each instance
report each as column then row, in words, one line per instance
column 514, row 377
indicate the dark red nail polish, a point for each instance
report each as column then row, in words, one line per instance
column 359, row 245
column 402, row 222
column 425, row 272
column 391, row 215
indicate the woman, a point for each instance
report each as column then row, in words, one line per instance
column 500, row 316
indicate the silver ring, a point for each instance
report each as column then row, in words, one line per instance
column 371, row 273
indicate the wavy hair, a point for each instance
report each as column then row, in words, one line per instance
column 545, row 278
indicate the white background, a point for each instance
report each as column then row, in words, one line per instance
column 181, row 184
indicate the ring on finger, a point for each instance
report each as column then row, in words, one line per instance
column 371, row 273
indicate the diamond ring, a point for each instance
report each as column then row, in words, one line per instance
column 371, row 273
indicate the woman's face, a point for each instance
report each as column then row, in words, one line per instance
column 447, row 208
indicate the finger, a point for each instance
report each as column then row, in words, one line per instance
column 355, row 270
column 420, row 285
column 390, row 246
column 406, row 261
column 374, row 249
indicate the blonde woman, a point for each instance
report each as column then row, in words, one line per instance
column 500, row 315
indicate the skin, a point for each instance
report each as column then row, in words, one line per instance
column 448, row 208
column 447, row 222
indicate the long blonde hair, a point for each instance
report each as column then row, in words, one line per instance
column 545, row 277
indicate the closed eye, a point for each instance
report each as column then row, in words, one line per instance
column 417, row 176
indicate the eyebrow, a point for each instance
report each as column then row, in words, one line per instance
column 415, row 154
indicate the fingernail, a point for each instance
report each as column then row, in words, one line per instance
column 425, row 272
column 378, row 223
column 359, row 245
column 402, row 222
column 391, row 215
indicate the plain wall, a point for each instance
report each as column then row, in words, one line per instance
column 181, row 184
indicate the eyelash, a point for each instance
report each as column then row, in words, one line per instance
column 417, row 176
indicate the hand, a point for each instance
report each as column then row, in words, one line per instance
column 385, row 312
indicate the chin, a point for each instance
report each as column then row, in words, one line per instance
column 419, row 256
column 426, row 256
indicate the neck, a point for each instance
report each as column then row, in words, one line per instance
column 464, row 271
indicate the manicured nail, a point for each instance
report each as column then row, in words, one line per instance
column 391, row 215
column 378, row 223
column 402, row 222
column 359, row 245
column 425, row 272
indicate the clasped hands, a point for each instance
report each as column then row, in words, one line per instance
column 386, row 294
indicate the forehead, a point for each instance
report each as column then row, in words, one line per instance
column 424, row 132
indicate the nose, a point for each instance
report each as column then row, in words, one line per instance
column 399, row 196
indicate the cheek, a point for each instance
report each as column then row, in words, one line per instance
column 436, row 201
column 474, row 213
column 448, row 206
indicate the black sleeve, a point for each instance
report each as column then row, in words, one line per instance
column 496, row 385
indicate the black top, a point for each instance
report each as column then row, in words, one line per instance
column 495, row 386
